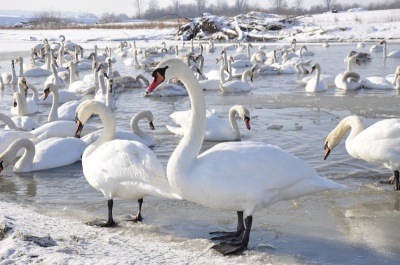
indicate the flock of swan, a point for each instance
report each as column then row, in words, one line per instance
column 234, row 175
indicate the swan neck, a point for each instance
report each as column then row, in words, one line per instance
column 232, row 120
column 109, row 126
column 8, row 121
column 135, row 123
column 53, row 115
column 25, row 161
column 189, row 147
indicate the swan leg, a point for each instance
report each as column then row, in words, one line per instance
column 226, row 235
column 396, row 180
column 226, row 248
column 389, row 181
column 110, row 222
column 138, row 217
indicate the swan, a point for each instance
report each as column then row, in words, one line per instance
column 303, row 51
column 265, row 69
column 132, row 172
column 349, row 80
column 235, row 86
column 63, row 96
column 361, row 56
column 109, row 99
column 325, row 44
column 242, row 56
column 32, row 72
column 135, row 135
column 210, row 46
column 378, row 82
column 316, row 84
column 360, row 45
column 392, row 54
column 22, row 107
column 79, row 86
column 241, row 176
column 10, row 133
column 10, row 78
column 130, row 81
column 54, row 78
column 64, row 112
column 23, row 89
column 168, row 89
column 216, row 128
column 47, row 154
column 379, row 144
column 376, row 48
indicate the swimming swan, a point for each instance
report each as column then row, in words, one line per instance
column 392, row 54
column 379, row 144
column 119, row 168
column 216, row 128
column 232, row 176
column 316, row 84
column 50, row 153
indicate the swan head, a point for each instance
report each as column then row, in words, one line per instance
column 315, row 66
column 83, row 112
column 48, row 89
column 159, row 75
column 331, row 141
column 244, row 114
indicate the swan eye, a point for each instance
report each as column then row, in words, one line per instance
column 160, row 71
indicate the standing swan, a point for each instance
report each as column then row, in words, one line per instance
column 119, row 168
column 233, row 176
column 378, row 144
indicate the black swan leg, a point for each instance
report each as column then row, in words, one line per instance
column 225, row 235
column 138, row 217
column 396, row 180
column 110, row 222
column 226, row 248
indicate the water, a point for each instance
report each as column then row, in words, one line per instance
column 358, row 226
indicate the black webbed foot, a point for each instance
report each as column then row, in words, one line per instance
column 226, row 235
column 388, row 181
column 102, row 223
column 133, row 218
column 229, row 248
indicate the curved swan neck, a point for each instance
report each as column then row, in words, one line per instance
column 232, row 120
column 244, row 76
column 353, row 123
column 8, row 121
column 22, row 106
column 25, row 161
column 135, row 123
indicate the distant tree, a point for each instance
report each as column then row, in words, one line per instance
column 241, row 5
column 222, row 6
column 329, row 4
column 153, row 9
column 201, row 6
column 298, row 6
column 177, row 6
column 278, row 6
column 137, row 5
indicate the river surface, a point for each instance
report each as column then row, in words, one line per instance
column 356, row 226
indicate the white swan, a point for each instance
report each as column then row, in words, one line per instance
column 168, row 89
column 233, row 176
column 235, row 86
column 64, row 112
column 379, row 144
column 316, row 84
column 22, row 107
column 392, row 54
column 265, row 69
column 23, row 89
column 10, row 133
column 54, row 78
column 130, row 174
column 10, row 78
column 47, row 154
column 349, row 80
column 31, row 72
column 135, row 135
column 63, row 96
column 216, row 128
column 378, row 82
column 79, row 86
